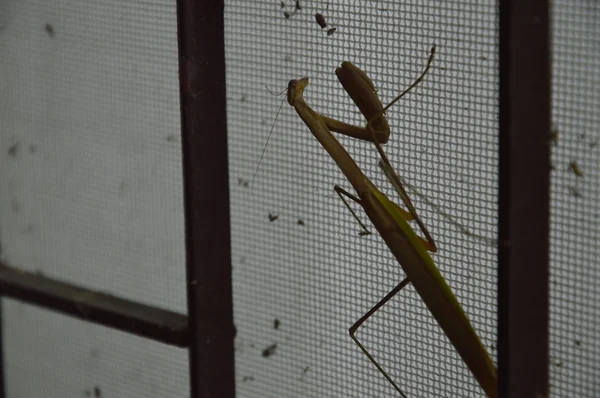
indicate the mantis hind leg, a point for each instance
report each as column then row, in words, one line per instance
column 362, row 320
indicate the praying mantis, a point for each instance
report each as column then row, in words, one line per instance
column 391, row 221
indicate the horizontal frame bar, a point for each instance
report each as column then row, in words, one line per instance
column 139, row 319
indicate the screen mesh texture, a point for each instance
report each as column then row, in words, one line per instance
column 575, row 213
column 91, row 189
column 302, row 274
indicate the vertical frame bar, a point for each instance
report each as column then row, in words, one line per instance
column 206, row 196
column 2, row 388
column 524, row 198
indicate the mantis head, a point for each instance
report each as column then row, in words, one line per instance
column 295, row 89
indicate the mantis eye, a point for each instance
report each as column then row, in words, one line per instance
column 291, row 94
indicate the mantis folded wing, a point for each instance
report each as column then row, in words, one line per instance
column 391, row 222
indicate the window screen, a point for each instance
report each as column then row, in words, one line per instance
column 302, row 273
column 574, row 325
column 91, row 189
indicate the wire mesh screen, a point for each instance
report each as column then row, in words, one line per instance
column 90, row 188
column 303, row 273
column 574, row 327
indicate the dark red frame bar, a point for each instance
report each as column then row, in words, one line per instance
column 93, row 306
column 524, row 198
column 2, row 388
column 206, row 196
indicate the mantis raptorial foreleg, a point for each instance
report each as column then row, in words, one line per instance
column 362, row 91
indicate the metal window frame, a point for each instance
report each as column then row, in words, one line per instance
column 206, row 195
column 524, row 198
